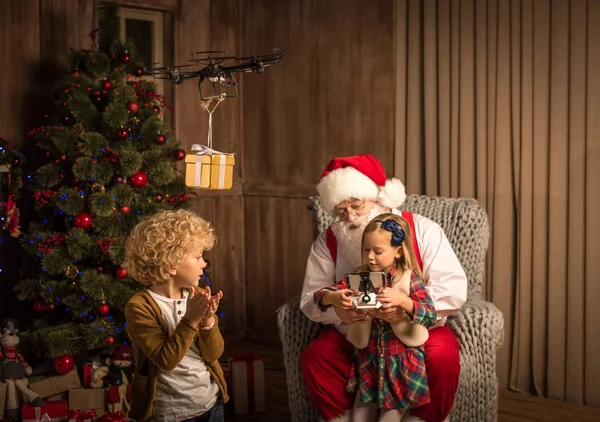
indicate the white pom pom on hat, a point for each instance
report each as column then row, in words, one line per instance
column 361, row 177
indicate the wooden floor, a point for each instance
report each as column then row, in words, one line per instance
column 514, row 407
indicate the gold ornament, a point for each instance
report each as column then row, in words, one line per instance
column 71, row 271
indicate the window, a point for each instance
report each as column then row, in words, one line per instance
column 145, row 28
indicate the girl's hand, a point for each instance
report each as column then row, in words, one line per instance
column 390, row 297
column 339, row 299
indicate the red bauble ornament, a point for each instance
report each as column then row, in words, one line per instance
column 64, row 364
column 109, row 341
column 84, row 220
column 119, row 179
column 125, row 209
column 161, row 139
column 100, row 269
column 123, row 133
column 121, row 272
column 139, row 179
column 133, row 107
column 49, row 307
column 106, row 84
column 180, row 154
column 39, row 306
column 159, row 197
column 139, row 71
column 156, row 109
column 103, row 309
column 125, row 57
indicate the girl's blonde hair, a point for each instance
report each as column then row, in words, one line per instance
column 159, row 243
column 408, row 260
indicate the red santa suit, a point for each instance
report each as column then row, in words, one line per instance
column 326, row 361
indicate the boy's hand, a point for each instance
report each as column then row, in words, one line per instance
column 198, row 306
column 207, row 321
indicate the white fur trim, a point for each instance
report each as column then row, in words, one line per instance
column 392, row 194
column 345, row 183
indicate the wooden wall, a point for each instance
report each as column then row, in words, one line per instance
column 333, row 95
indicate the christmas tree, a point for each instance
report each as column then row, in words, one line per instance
column 111, row 162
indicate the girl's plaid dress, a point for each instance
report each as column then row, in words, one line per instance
column 387, row 372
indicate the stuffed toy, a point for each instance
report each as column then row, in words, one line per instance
column 116, row 377
column 15, row 371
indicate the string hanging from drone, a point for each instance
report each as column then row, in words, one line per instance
column 207, row 168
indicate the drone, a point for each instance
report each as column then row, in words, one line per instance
column 219, row 74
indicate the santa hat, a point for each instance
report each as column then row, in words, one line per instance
column 360, row 177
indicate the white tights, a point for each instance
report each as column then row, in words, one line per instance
column 366, row 412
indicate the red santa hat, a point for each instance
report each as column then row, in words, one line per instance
column 361, row 177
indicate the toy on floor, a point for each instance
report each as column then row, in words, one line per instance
column 15, row 371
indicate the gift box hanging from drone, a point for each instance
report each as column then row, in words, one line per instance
column 205, row 167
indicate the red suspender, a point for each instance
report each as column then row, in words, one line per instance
column 408, row 216
column 331, row 243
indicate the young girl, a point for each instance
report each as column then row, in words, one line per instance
column 389, row 364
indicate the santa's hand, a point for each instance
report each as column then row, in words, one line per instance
column 339, row 299
column 390, row 314
column 28, row 370
column 350, row 316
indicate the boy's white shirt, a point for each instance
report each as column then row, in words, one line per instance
column 447, row 282
column 188, row 390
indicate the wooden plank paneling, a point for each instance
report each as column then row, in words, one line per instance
column 332, row 95
column 19, row 51
column 192, row 33
column 200, row 26
column 19, row 90
column 278, row 238
column 66, row 24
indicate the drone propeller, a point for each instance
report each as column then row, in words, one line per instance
column 210, row 57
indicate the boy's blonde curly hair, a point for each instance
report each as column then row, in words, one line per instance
column 160, row 242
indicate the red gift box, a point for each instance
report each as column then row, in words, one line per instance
column 51, row 410
column 247, row 383
column 87, row 374
column 82, row 415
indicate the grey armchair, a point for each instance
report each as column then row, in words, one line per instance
column 479, row 326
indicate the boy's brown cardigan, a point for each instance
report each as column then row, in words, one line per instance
column 155, row 350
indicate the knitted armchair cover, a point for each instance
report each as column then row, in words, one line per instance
column 478, row 326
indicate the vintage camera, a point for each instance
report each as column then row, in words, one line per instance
column 368, row 285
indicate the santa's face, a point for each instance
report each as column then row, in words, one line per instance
column 349, row 229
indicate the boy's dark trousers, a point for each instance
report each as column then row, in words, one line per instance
column 215, row 414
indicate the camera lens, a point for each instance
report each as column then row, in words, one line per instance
column 366, row 299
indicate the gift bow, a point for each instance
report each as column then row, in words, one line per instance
column 81, row 416
column 114, row 417
column 204, row 150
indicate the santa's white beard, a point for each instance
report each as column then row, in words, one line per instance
column 349, row 236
